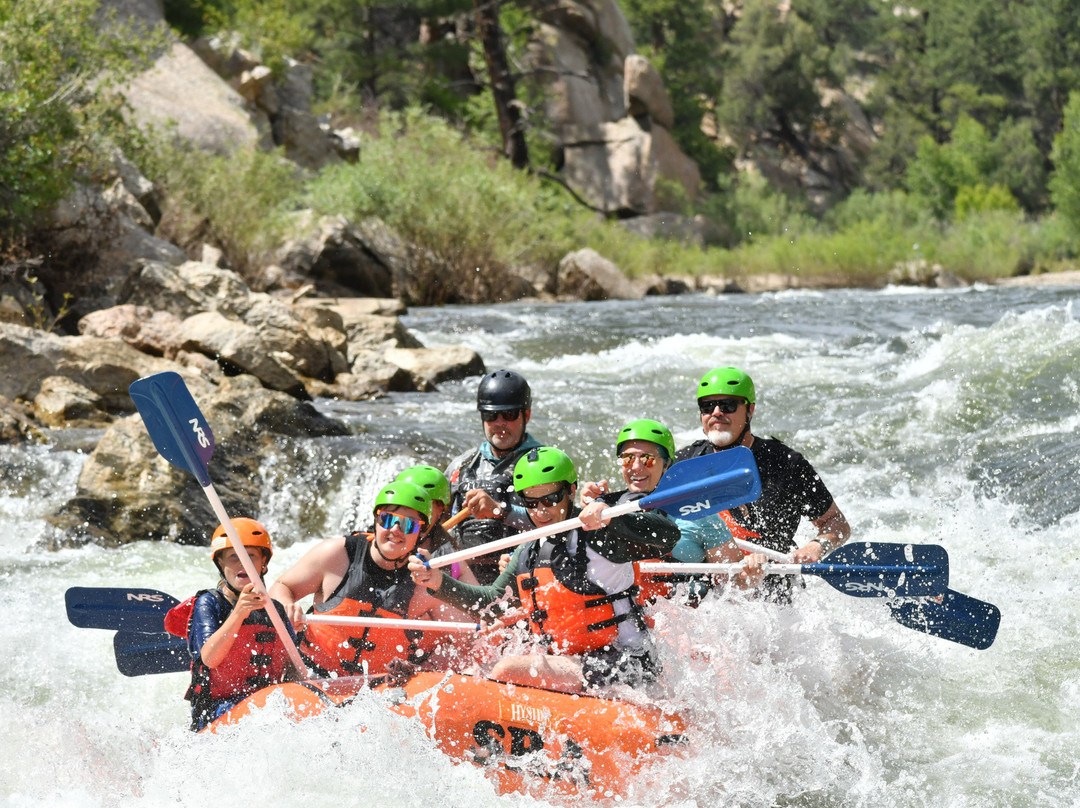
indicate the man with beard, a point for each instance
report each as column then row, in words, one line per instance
column 481, row 479
column 790, row 487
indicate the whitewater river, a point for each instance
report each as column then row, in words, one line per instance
column 944, row 417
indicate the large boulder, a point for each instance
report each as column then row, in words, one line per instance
column 127, row 492
column 343, row 258
column 615, row 166
column 180, row 92
column 587, row 275
column 158, row 333
column 102, row 366
column 245, row 331
column 645, row 93
column 428, row 367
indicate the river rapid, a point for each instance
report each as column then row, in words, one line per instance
column 948, row 417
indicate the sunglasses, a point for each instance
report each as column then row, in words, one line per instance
column 387, row 521
column 627, row 459
column 726, row 405
column 494, row 415
column 551, row 500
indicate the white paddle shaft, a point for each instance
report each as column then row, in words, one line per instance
column 528, row 535
column 389, row 622
column 697, row 569
column 253, row 575
column 772, row 555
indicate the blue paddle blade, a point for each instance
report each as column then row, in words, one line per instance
column 884, row 569
column 703, row 486
column 118, row 609
column 954, row 616
column 176, row 425
column 139, row 653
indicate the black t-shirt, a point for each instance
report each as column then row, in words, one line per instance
column 790, row 490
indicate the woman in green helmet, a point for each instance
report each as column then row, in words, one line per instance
column 437, row 540
column 646, row 449
column 361, row 574
column 576, row 587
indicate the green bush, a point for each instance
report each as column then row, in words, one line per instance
column 1065, row 182
column 56, row 109
column 239, row 202
column 979, row 198
column 468, row 213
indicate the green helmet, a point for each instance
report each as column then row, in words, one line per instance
column 545, row 464
column 430, row 479
column 646, row 429
column 408, row 495
column 726, row 382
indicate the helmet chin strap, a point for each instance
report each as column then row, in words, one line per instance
column 397, row 562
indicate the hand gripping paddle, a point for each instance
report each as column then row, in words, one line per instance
column 183, row 437
column 692, row 489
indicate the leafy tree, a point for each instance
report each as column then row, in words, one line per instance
column 681, row 39
column 56, row 67
column 1065, row 182
column 973, row 159
column 1049, row 64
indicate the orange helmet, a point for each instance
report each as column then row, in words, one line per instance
column 252, row 534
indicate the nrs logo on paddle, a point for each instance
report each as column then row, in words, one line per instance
column 196, row 427
column 697, row 507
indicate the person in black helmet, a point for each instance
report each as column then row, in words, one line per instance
column 481, row 479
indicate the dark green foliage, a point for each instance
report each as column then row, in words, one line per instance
column 56, row 108
column 1065, row 184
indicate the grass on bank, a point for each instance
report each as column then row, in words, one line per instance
column 468, row 215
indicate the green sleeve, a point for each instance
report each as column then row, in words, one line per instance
column 475, row 598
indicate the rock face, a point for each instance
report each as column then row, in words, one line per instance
column 608, row 108
column 181, row 91
column 127, row 491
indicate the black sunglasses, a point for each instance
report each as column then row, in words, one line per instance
column 726, row 405
column 493, row 415
column 551, row 500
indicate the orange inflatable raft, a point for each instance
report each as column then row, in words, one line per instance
column 529, row 740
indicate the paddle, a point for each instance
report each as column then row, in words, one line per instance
column 865, row 569
column 953, row 616
column 381, row 622
column 141, row 647
column 183, row 437
column 691, row 489
column 118, row 609
column 139, row 653
column 457, row 518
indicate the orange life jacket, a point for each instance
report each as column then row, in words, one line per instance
column 739, row 531
column 569, row 621
column 257, row 658
column 352, row 650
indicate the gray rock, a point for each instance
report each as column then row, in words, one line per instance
column 587, row 275
column 105, row 367
column 430, row 366
column 645, row 91
column 127, row 492
column 181, row 91
column 63, row 402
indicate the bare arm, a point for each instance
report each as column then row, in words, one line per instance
column 832, row 531
column 318, row 572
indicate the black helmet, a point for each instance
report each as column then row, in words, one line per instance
column 503, row 390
